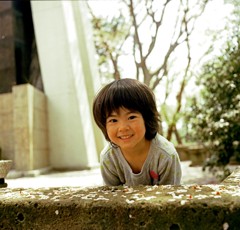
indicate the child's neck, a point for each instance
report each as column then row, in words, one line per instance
column 137, row 156
column 137, row 150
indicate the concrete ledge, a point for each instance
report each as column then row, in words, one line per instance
column 143, row 207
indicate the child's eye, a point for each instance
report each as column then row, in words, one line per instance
column 112, row 120
column 132, row 117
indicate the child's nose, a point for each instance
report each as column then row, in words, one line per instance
column 123, row 126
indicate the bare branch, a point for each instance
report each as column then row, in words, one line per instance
column 157, row 24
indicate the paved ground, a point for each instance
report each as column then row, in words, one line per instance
column 89, row 178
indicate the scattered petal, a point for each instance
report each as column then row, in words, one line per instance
column 183, row 202
column 129, row 201
column 225, row 226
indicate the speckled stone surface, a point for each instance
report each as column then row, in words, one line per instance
column 143, row 207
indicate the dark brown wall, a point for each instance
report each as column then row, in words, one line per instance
column 16, row 39
column 7, row 59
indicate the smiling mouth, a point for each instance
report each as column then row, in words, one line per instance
column 125, row 137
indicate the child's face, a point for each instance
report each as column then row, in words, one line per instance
column 126, row 129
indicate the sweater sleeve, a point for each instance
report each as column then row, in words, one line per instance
column 170, row 170
column 108, row 170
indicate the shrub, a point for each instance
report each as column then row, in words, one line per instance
column 215, row 115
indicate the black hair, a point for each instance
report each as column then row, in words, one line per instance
column 130, row 94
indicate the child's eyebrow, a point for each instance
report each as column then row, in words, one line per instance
column 112, row 114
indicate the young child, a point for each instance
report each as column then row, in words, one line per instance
column 125, row 110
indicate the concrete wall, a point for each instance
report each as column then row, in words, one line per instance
column 59, row 131
column 89, row 63
column 6, row 127
column 66, row 64
column 30, row 128
column 24, row 128
column 9, row 37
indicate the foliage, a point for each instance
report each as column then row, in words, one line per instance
column 215, row 116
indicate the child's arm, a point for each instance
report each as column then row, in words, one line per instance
column 109, row 167
column 170, row 170
column 109, row 176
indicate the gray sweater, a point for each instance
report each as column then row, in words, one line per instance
column 161, row 167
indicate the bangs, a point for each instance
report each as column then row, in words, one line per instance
column 118, row 97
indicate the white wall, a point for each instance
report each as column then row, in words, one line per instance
column 61, row 48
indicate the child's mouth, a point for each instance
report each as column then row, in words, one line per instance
column 125, row 137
